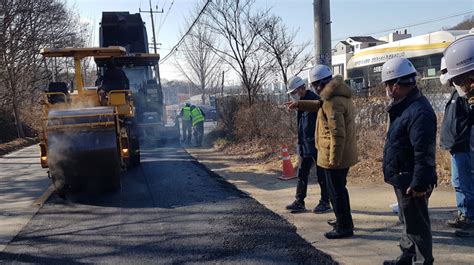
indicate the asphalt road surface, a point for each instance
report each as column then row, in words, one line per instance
column 171, row 210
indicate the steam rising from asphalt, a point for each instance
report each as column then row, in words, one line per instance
column 59, row 148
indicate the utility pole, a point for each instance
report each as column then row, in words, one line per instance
column 222, row 84
column 322, row 32
column 157, row 67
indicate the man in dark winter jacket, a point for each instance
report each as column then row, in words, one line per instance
column 336, row 142
column 409, row 158
column 455, row 133
column 456, row 130
column 306, row 150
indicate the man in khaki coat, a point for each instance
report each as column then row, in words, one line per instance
column 336, row 143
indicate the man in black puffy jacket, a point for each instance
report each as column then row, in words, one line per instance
column 409, row 158
column 457, row 129
column 455, row 133
column 306, row 150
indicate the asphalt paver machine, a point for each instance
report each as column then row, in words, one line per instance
column 141, row 68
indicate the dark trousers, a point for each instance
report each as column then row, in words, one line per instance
column 339, row 196
column 186, row 127
column 198, row 131
column 416, row 239
column 302, row 186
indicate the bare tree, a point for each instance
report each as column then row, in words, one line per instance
column 466, row 24
column 239, row 26
column 280, row 43
column 28, row 26
column 198, row 63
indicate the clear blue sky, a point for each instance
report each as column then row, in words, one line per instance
column 349, row 17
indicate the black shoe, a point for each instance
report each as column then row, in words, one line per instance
column 464, row 233
column 457, row 222
column 322, row 207
column 402, row 260
column 333, row 223
column 296, row 207
column 461, row 222
column 337, row 233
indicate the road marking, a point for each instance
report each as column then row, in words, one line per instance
column 43, row 198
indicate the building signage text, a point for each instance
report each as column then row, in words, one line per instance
column 379, row 59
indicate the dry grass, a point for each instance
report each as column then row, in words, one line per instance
column 370, row 144
column 443, row 160
column 14, row 145
column 261, row 129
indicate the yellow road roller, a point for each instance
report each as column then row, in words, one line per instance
column 88, row 134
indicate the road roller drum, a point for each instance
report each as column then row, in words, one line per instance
column 83, row 148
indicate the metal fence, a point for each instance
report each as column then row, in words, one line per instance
column 369, row 111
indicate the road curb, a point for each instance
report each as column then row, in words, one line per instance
column 44, row 197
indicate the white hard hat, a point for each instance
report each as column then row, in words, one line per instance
column 319, row 72
column 396, row 68
column 443, row 64
column 294, row 83
column 442, row 69
column 459, row 57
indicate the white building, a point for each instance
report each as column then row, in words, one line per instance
column 360, row 59
column 395, row 36
column 363, row 42
column 344, row 50
column 424, row 51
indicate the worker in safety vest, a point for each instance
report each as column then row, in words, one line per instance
column 186, row 124
column 197, row 117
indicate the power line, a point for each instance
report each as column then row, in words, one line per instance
column 173, row 50
column 164, row 19
column 413, row 25
column 156, row 17
column 161, row 17
column 181, row 49
column 152, row 23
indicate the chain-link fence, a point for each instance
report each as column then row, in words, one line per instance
column 268, row 118
column 370, row 110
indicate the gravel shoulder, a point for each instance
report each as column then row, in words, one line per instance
column 377, row 227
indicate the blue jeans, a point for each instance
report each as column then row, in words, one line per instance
column 463, row 183
column 472, row 150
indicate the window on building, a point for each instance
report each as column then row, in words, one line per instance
column 418, row 63
column 434, row 59
column 338, row 69
column 431, row 71
column 372, row 44
column 357, row 46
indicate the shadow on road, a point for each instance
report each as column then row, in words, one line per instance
column 166, row 178
column 171, row 210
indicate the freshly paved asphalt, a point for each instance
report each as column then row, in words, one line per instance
column 171, row 210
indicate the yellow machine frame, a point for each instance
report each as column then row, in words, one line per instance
column 121, row 100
